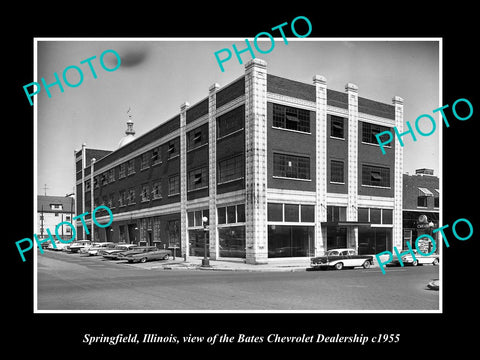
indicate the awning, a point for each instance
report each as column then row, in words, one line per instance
column 424, row 192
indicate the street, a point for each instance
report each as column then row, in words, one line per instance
column 75, row 282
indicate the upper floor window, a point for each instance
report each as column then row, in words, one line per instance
column 231, row 169
column 111, row 175
column 231, row 121
column 122, row 172
column 173, row 148
column 145, row 196
column 174, row 185
column 198, row 178
column 291, row 166
column 287, row 117
column 336, row 171
column 197, row 137
column 370, row 130
column 131, row 167
column 145, row 160
column 156, row 156
column 337, row 127
column 375, row 175
column 157, row 190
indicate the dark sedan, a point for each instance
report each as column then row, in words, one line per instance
column 149, row 255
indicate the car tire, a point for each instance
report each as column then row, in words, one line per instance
column 166, row 257
column 143, row 260
column 366, row 264
column 435, row 262
column 415, row 263
column 338, row 266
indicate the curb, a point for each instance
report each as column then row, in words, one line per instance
column 212, row 268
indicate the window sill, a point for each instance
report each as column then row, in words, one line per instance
column 173, row 157
column 337, row 183
column 197, row 147
column 230, row 181
column 337, row 138
column 377, row 144
column 157, row 163
column 290, row 178
column 229, row 134
column 200, row 188
column 145, row 168
column 377, row 187
column 291, row 130
column 176, row 194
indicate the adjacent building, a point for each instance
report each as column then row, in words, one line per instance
column 53, row 210
column 421, row 201
column 264, row 167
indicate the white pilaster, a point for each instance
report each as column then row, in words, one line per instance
column 320, row 83
column 352, row 199
column 212, row 170
column 183, row 182
column 398, row 178
column 256, row 161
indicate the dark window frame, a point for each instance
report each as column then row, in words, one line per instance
column 378, row 176
column 337, row 173
column 291, row 118
column 291, row 166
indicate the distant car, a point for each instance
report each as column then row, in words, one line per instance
column 158, row 254
column 94, row 250
column 59, row 246
column 75, row 246
column 86, row 247
column 407, row 259
column 135, row 250
column 340, row 258
column 112, row 253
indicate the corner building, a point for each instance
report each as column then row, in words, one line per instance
column 279, row 167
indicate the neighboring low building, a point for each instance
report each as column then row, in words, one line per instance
column 421, row 200
column 51, row 211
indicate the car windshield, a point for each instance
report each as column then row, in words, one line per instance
column 331, row 253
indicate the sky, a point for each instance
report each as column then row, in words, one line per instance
column 156, row 77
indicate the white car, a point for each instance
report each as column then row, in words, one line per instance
column 420, row 259
column 341, row 258
column 94, row 250
column 77, row 245
column 59, row 246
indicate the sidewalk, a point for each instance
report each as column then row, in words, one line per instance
column 195, row 263
column 278, row 264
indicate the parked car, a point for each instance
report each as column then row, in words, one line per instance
column 86, row 247
column 112, row 253
column 75, row 246
column 135, row 250
column 93, row 251
column 407, row 259
column 340, row 258
column 59, row 246
column 158, row 254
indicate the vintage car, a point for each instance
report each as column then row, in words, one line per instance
column 340, row 258
column 94, row 250
column 111, row 253
column 158, row 254
column 407, row 259
column 135, row 250
column 75, row 246
column 59, row 246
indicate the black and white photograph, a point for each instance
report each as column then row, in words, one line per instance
column 301, row 179
column 219, row 190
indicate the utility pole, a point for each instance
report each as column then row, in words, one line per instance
column 45, row 189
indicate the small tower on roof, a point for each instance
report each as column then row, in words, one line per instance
column 129, row 133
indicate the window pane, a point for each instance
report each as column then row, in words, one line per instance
column 196, row 239
column 241, row 213
column 198, row 218
column 342, row 213
column 291, row 212
column 387, row 217
column 363, row 214
column 222, row 215
column 191, row 217
column 336, row 127
column 231, row 214
column 231, row 241
column 308, row 213
column 375, row 216
column 275, row 212
column 336, row 171
column 231, row 121
column 375, row 176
